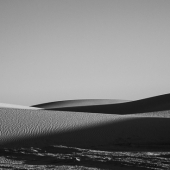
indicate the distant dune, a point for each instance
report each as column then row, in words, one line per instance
column 78, row 103
column 158, row 103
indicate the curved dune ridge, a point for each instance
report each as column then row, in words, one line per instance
column 24, row 127
column 75, row 103
column 152, row 104
column 17, row 106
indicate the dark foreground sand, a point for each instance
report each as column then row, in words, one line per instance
column 63, row 157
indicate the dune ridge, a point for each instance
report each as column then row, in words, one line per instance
column 2, row 105
column 152, row 104
column 76, row 103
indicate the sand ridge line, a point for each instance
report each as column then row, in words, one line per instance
column 5, row 105
column 80, row 102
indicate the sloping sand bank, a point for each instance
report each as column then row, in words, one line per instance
column 19, row 128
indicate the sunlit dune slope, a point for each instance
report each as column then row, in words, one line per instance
column 75, row 103
column 158, row 103
column 17, row 106
column 21, row 127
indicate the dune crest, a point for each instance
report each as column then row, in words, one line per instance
column 5, row 105
column 78, row 103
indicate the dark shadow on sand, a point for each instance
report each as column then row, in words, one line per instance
column 133, row 133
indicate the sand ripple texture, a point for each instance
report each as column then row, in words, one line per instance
column 19, row 124
column 22, row 127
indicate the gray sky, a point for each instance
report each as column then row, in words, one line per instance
column 75, row 49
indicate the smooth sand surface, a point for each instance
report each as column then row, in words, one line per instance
column 153, row 104
column 24, row 127
column 5, row 105
column 75, row 103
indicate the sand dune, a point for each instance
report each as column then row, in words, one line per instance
column 75, row 103
column 158, row 103
column 23, row 127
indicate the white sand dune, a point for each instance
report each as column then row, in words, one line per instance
column 17, row 106
column 24, row 127
column 75, row 103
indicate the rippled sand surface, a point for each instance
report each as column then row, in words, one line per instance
column 24, row 127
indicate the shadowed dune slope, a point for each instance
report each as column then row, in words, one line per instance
column 152, row 104
column 78, row 103
column 19, row 128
